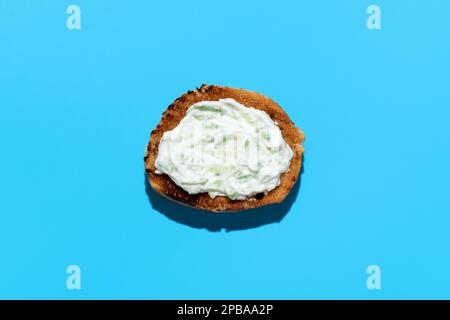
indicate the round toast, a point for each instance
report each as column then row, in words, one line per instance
column 162, row 183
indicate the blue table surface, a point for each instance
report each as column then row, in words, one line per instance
column 77, row 108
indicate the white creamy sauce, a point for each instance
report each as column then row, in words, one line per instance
column 225, row 149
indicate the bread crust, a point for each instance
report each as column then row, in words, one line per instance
column 162, row 183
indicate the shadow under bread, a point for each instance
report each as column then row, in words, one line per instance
column 232, row 221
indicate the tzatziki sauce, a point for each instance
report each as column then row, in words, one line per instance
column 224, row 148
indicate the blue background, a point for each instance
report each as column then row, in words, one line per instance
column 77, row 108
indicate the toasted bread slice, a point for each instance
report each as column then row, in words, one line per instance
column 162, row 183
